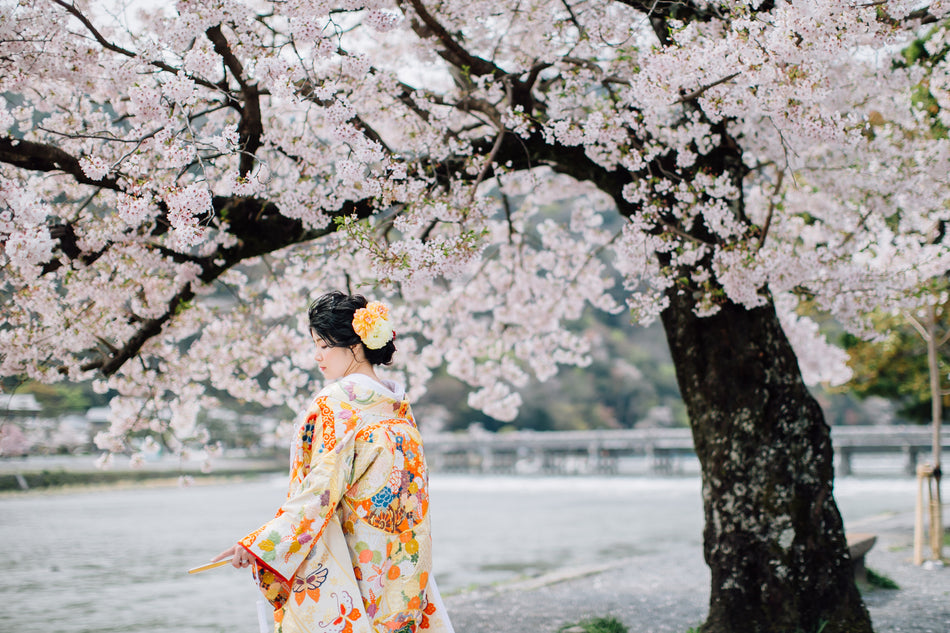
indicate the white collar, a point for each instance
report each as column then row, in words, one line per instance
column 389, row 387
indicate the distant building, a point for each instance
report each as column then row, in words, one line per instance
column 18, row 404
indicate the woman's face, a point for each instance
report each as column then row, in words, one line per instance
column 334, row 362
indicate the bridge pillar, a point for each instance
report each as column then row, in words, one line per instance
column 606, row 462
column 485, row 453
column 593, row 458
column 910, row 466
column 661, row 461
column 844, row 462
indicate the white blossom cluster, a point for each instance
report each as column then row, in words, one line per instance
column 838, row 191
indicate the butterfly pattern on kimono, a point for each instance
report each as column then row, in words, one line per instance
column 310, row 586
column 349, row 614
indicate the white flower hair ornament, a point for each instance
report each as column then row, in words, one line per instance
column 372, row 325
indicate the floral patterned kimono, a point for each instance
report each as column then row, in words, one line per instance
column 350, row 551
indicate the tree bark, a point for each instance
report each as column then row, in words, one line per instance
column 774, row 539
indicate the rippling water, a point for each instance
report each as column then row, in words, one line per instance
column 115, row 559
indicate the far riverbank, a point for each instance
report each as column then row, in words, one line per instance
column 42, row 472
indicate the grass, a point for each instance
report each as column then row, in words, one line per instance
column 880, row 581
column 597, row 625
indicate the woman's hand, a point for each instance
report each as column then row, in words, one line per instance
column 239, row 556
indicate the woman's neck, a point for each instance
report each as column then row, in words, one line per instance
column 364, row 368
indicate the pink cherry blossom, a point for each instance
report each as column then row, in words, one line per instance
column 554, row 161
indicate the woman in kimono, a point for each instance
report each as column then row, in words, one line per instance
column 350, row 550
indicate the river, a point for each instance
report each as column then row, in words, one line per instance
column 114, row 559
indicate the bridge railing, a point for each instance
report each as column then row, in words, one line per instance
column 599, row 451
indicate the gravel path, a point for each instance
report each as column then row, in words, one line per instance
column 668, row 591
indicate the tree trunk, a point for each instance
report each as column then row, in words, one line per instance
column 774, row 539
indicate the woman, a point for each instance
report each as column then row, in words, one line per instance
column 350, row 549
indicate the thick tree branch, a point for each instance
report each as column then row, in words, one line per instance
column 686, row 10
column 405, row 97
column 148, row 329
column 660, row 12
column 65, row 234
column 453, row 52
column 222, row 48
column 593, row 66
column 471, row 104
column 251, row 128
column 260, row 229
column 465, row 65
column 535, row 151
column 41, row 157
column 533, row 73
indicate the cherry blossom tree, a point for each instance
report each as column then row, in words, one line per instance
column 176, row 182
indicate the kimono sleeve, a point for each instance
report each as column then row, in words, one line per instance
column 282, row 544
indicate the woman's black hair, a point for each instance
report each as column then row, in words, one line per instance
column 331, row 319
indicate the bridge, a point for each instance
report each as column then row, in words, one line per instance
column 602, row 451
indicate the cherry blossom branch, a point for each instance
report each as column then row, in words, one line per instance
column 115, row 48
column 108, row 365
column 917, row 325
column 65, row 234
column 923, row 14
column 768, row 215
column 677, row 231
column 405, row 97
column 533, row 73
column 659, row 12
column 573, row 161
column 176, row 256
column 99, row 137
column 580, row 27
column 699, row 91
column 862, row 223
column 588, row 63
column 488, row 163
column 307, row 91
column 506, row 204
column 466, row 64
